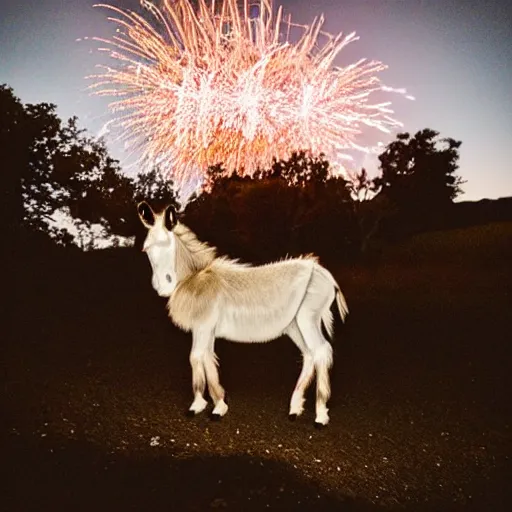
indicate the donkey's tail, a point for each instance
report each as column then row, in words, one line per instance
column 342, row 303
column 327, row 318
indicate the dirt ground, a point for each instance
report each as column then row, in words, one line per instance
column 97, row 381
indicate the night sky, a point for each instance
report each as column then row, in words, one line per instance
column 453, row 56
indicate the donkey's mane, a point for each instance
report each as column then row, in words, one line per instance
column 192, row 255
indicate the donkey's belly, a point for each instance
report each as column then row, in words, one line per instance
column 260, row 302
column 254, row 326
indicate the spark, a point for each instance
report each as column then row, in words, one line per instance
column 220, row 83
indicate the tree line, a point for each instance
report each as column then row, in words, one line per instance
column 296, row 206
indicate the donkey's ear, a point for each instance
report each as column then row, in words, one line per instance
column 170, row 218
column 146, row 215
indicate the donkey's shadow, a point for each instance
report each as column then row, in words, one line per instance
column 79, row 477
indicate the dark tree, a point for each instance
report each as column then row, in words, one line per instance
column 370, row 209
column 97, row 191
column 14, row 143
column 155, row 188
column 30, row 136
column 72, row 172
column 41, row 179
column 419, row 177
column 291, row 208
column 364, row 188
column 54, row 166
column 299, row 170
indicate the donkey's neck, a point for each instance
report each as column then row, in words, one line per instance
column 192, row 255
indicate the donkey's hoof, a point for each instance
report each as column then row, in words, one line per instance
column 197, row 406
column 215, row 417
column 320, row 426
column 190, row 414
column 220, row 409
column 293, row 417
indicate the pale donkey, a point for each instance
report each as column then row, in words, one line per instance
column 217, row 297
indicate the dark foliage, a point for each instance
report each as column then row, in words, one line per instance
column 52, row 166
column 418, row 178
column 290, row 209
column 294, row 207
column 14, row 141
column 155, row 188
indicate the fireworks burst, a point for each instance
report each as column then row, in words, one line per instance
column 223, row 83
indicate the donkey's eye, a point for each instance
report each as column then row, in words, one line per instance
column 169, row 278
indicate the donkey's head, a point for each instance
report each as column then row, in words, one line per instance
column 160, row 246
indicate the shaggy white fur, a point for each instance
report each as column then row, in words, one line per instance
column 218, row 297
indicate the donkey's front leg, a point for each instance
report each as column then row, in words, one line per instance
column 199, row 345
column 214, row 387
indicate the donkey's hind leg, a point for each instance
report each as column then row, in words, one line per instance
column 321, row 350
column 306, row 374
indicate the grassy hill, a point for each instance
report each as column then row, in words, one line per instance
column 483, row 244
